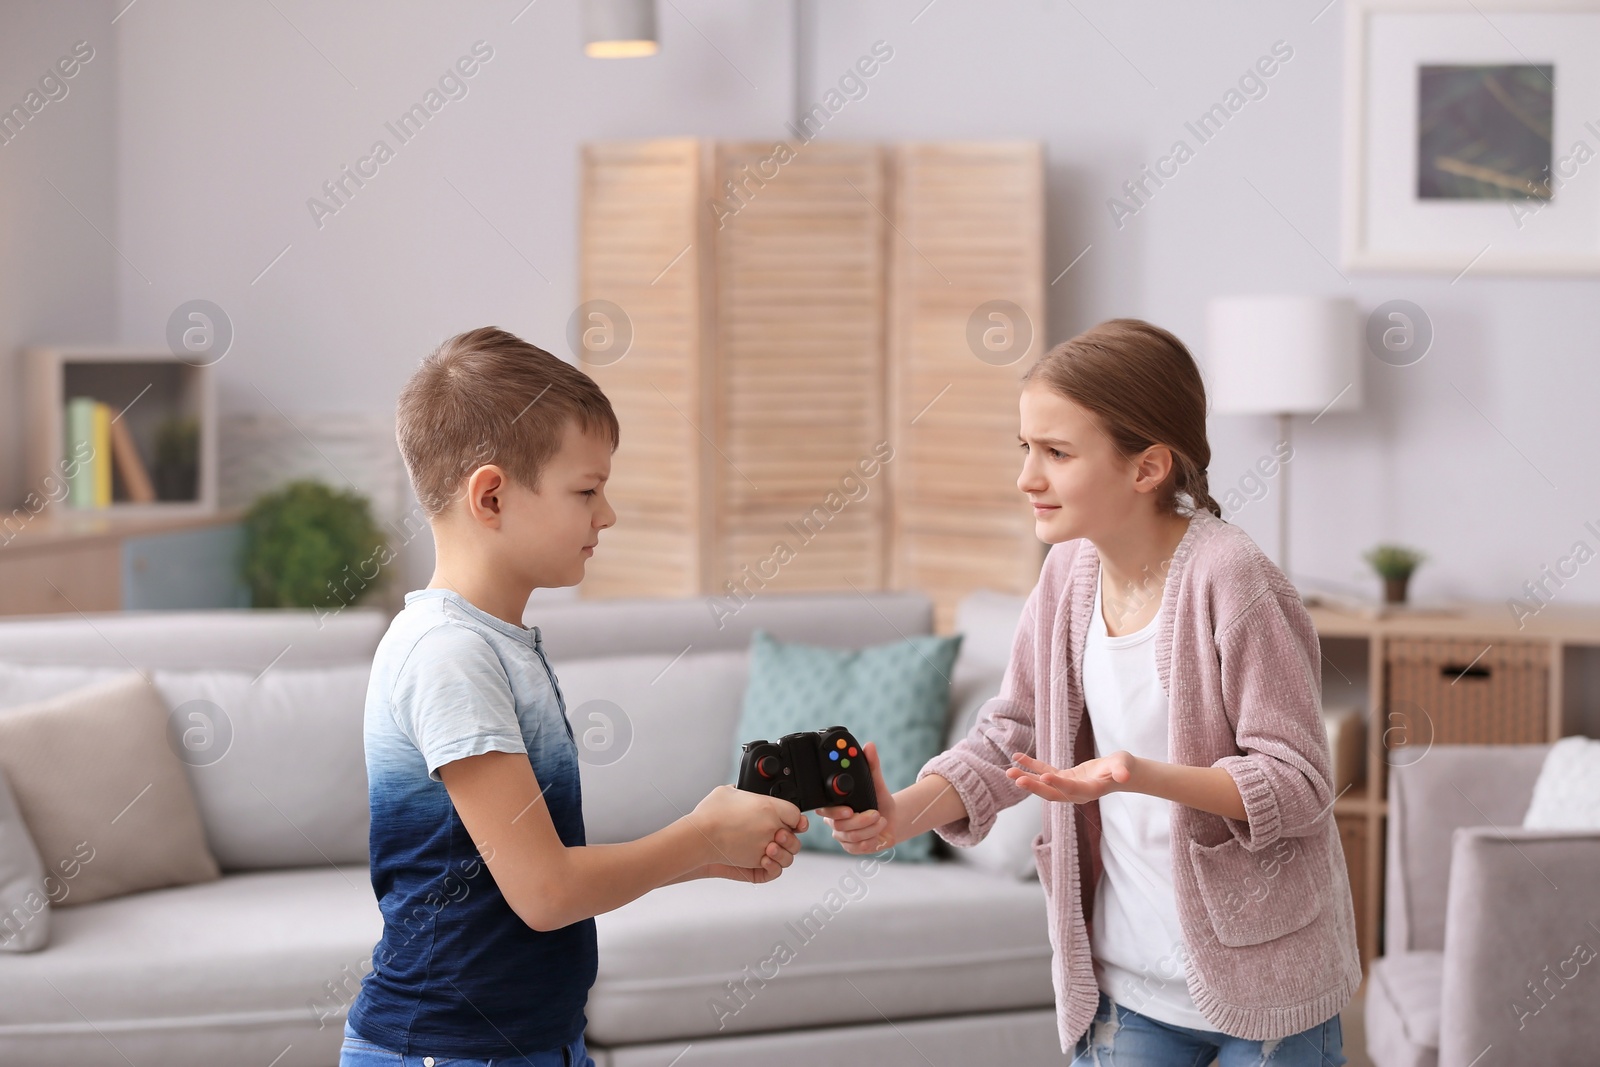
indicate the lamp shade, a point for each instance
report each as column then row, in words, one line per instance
column 1282, row 355
column 619, row 29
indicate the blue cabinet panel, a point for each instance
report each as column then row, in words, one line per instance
column 184, row 570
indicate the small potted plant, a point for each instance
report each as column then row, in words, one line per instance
column 1394, row 564
column 177, row 466
column 307, row 546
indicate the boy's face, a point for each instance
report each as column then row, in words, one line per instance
column 550, row 534
column 1078, row 482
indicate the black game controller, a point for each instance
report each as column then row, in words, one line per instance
column 813, row 769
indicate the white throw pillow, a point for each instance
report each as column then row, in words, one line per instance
column 1566, row 795
column 24, row 894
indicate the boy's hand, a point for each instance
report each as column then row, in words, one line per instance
column 781, row 851
column 1089, row 780
column 867, row 831
column 747, row 830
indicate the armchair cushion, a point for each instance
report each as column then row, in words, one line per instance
column 1443, row 788
column 1402, row 1009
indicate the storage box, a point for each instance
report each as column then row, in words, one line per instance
column 1466, row 692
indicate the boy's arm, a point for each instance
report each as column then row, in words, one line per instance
column 550, row 885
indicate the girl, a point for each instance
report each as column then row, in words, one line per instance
column 1164, row 690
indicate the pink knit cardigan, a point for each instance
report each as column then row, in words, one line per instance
column 1265, row 902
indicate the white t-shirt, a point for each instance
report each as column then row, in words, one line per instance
column 1138, row 946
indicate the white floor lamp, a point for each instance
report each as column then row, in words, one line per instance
column 1282, row 355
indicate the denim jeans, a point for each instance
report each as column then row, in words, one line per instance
column 1121, row 1037
column 359, row 1052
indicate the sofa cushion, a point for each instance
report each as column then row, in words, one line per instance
column 24, row 893
column 653, row 735
column 836, row 939
column 228, row 964
column 1402, row 1009
column 274, row 757
column 234, row 639
column 896, row 695
column 574, row 629
column 104, row 796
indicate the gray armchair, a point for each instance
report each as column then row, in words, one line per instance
column 1492, row 932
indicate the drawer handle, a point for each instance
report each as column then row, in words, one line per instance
column 1462, row 670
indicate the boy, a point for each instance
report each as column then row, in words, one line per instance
column 469, row 752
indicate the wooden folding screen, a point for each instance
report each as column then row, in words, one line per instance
column 969, row 234
column 642, row 250
column 798, row 320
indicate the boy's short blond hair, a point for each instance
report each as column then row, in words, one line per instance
column 487, row 396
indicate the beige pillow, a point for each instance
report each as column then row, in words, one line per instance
column 105, row 797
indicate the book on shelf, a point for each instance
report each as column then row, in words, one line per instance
column 80, row 439
column 135, row 476
column 91, row 427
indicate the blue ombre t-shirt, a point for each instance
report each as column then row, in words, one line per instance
column 457, row 972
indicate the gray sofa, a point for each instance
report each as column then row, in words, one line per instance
column 945, row 962
column 1483, row 920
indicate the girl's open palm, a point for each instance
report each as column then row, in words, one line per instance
column 1089, row 780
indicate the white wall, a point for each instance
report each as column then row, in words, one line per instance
column 57, row 279
column 232, row 121
column 1419, row 464
column 228, row 118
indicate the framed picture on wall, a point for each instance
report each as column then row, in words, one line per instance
column 1472, row 136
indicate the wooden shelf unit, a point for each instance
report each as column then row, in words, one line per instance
column 1358, row 655
column 141, row 384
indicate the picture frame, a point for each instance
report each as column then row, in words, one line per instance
column 1472, row 136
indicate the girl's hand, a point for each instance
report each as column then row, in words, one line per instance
column 1089, row 780
column 868, row 831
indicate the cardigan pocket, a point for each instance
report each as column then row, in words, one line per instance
column 1041, row 857
column 1254, row 897
column 1042, row 850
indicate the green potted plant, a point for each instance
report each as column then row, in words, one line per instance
column 1394, row 564
column 307, row 546
column 177, row 458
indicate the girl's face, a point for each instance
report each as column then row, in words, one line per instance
column 1077, row 481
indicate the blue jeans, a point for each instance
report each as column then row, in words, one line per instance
column 1121, row 1037
column 359, row 1052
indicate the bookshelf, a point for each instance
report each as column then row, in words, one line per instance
column 150, row 392
column 1489, row 680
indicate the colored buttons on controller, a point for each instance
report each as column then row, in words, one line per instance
column 840, row 743
column 833, row 755
column 853, row 750
column 844, row 762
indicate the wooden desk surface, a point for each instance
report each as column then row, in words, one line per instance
column 54, row 529
column 1573, row 624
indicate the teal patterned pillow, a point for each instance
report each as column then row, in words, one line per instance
column 896, row 695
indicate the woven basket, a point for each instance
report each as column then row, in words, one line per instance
column 1466, row 692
